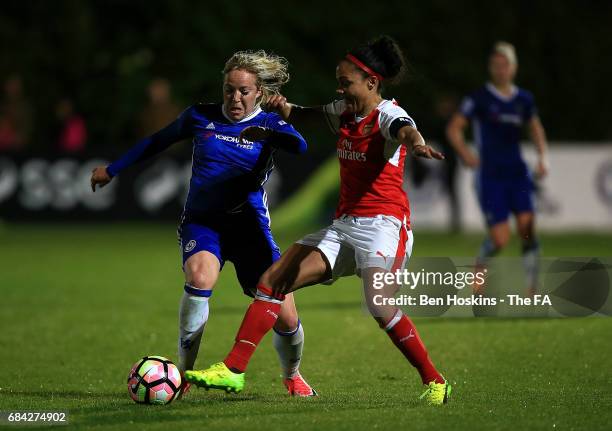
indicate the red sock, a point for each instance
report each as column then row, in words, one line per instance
column 258, row 320
column 405, row 336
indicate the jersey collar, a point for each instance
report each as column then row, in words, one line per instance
column 496, row 93
column 382, row 102
column 252, row 115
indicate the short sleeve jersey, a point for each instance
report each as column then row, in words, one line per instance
column 497, row 123
column 371, row 160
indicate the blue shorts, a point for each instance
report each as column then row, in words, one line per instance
column 500, row 197
column 244, row 238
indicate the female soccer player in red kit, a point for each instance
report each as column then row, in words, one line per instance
column 371, row 230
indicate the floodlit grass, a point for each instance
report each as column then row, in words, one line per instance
column 80, row 304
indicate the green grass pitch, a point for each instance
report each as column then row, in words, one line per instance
column 80, row 304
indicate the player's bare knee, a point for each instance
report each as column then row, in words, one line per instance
column 265, row 279
column 380, row 313
column 526, row 233
column 287, row 322
column 271, row 278
column 500, row 241
column 384, row 317
column 200, row 280
column 373, row 309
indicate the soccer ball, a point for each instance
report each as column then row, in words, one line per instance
column 154, row 380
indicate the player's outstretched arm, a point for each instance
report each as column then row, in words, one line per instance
column 414, row 141
column 538, row 136
column 290, row 111
column 146, row 148
column 454, row 133
column 284, row 136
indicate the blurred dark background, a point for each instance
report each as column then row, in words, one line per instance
column 102, row 56
column 91, row 78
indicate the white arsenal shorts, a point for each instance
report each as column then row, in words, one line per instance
column 352, row 243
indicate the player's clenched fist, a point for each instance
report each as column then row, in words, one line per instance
column 99, row 176
column 278, row 103
column 255, row 133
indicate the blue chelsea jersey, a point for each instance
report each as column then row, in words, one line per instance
column 226, row 173
column 497, row 123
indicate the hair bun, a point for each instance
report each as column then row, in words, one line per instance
column 384, row 56
column 390, row 54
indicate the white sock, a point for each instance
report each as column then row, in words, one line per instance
column 193, row 314
column 289, row 346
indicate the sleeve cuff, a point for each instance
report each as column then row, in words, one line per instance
column 110, row 171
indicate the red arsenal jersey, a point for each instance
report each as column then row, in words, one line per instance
column 371, row 160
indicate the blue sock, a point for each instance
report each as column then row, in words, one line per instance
column 531, row 255
column 487, row 250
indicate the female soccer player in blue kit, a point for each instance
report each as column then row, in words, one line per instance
column 499, row 111
column 226, row 215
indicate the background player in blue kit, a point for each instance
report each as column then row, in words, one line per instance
column 499, row 111
column 226, row 215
